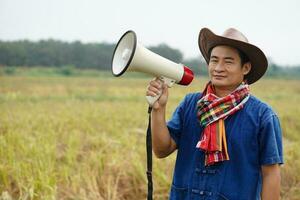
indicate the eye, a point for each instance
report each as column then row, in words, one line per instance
column 213, row 61
column 228, row 62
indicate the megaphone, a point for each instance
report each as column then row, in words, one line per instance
column 131, row 56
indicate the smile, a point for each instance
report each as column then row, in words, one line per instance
column 218, row 76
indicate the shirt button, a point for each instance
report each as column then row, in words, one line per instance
column 204, row 171
column 195, row 191
column 201, row 192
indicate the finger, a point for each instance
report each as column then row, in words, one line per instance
column 165, row 89
column 156, row 83
column 154, row 89
column 150, row 93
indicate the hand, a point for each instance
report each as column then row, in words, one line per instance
column 154, row 88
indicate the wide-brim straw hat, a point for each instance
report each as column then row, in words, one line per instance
column 232, row 37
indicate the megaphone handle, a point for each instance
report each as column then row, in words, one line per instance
column 150, row 99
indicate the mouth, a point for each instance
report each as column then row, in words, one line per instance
column 218, row 76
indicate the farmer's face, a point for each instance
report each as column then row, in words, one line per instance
column 225, row 68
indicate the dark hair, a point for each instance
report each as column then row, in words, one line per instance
column 244, row 58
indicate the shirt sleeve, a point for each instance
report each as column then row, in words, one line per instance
column 175, row 124
column 270, row 141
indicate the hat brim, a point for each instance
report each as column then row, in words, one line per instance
column 259, row 64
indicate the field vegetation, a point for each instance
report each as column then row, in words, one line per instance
column 82, row 135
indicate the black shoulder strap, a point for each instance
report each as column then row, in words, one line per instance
column 149, row 157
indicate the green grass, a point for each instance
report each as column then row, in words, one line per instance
column 83, row 137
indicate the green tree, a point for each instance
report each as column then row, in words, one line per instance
column 164, row 50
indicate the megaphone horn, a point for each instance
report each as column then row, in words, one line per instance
column 131, row 56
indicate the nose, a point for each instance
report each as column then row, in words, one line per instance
column 219, row 67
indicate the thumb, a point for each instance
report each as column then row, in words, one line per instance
column 165, row 89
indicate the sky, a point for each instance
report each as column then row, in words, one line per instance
column 272, row 25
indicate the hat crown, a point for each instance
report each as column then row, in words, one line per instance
column 235, row 35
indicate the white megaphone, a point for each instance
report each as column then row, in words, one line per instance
column 130, row 56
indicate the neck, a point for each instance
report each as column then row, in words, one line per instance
column 222, row 92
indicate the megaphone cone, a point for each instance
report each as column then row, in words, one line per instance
column 131, row 56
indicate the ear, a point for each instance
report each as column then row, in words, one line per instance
column 246, row 68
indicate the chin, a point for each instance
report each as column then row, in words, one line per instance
column 219, row 83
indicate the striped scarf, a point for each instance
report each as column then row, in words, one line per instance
column 211, row 112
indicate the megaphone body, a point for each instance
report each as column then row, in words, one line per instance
column 131, row 56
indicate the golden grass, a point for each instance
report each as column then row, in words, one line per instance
column 84, row 137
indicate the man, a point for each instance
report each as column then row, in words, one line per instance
column 229, row 142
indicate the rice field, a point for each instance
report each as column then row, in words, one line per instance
column 84, row 137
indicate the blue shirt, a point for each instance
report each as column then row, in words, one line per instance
column 253, row 139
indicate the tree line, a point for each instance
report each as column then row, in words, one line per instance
column 55, row 53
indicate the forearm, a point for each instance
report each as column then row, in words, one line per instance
column 271, row 186
column 161, row 140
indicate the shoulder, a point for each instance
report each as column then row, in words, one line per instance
column 190, row 100
column 259, row 104
column 263, row 110
column 189, row 103
column 192, row 97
